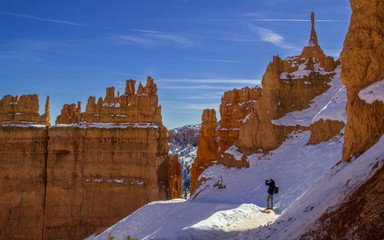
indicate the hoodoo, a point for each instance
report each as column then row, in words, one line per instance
column 207, row 151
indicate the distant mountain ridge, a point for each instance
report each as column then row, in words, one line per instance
column 185, row 135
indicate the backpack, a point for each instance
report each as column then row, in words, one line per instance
column 276, row 189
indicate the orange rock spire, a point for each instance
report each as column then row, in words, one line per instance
column 313, row 38
column 207, row 151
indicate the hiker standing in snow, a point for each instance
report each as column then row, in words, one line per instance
column 271, row 190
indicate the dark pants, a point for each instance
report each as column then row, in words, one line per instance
column 270, row 198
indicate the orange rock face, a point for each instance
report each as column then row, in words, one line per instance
column 174, row 174
column 22, row 181
column 23, row 110
column 208, row 145
column 235, row 106
column 362, row 61
column 322, row 131
column 69, row 114
column 89, row 171
column 23, row 154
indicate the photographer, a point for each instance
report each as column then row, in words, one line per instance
column 271, row 188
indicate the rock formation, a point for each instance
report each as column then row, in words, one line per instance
column 69, row 114
column 322, row 131
column 235, row 106
column 362, row 65
column 287, row 85
column 88, row 171
column 23, row 111
column 207, row 151
column 23, row 148
column 128, row 108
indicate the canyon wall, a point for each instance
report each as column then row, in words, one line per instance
column 362, row 65
column 90, row 170
column 23, row 153
column 207, row 147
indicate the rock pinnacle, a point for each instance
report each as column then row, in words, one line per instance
column 313, row 38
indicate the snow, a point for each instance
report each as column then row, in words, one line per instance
column 374, row 92
column 302, row 72
column 230, row 129
column 108, row 125
column 325, row 195
column 214, row 213
column 23, row 124
column 234, row 151
column 312, row 44
column 191, row 126
column 230, row 202
column 120, row 181
column 305, row 117
column 335, row 109
column 116, row 105
column 187, row 156
column 249, row 115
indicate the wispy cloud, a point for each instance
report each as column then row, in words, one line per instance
column 197, row 87
column 213, row 80
column 150, row 37
column 134, row 39
column 165, row 36
column 270, row 36
column 290, row 20
column 210, row 95
column 201, row 106
column 20, row 15
column 172, row 106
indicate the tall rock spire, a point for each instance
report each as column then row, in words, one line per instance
column 47, row 113
column 313, row 38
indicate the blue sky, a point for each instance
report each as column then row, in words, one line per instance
column 194, row 49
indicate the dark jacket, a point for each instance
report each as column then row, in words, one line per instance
column 271, row 185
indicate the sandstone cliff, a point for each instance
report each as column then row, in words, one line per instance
column 207, row 151
column 115, row 155
column 88, row 171
column 23, row 148
column 235, row 106
column 362, row 65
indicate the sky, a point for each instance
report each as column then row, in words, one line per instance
column 194, row 49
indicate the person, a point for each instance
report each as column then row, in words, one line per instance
column 271, row 187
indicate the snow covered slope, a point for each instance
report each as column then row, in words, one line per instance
column 230, row 203
column 224, row 211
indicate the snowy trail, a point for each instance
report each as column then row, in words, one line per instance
column 254, row 221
